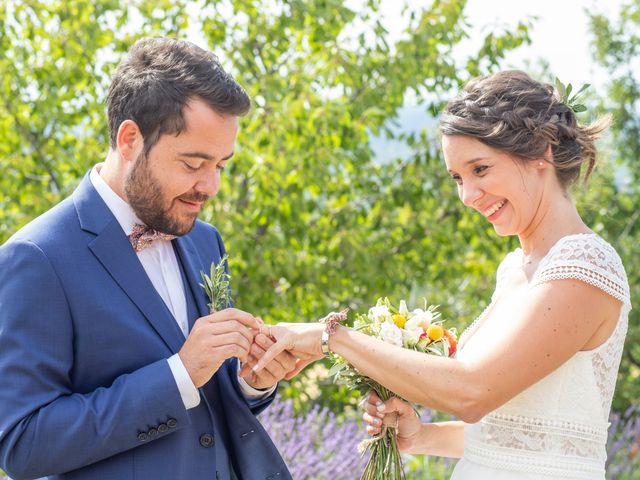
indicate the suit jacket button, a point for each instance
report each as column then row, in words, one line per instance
column 172, row 423
column 143, row 437
column 162, row 427
column 206, row 440
column 152, row 432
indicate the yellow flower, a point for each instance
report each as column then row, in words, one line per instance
column 399, row 320
column 435, row 332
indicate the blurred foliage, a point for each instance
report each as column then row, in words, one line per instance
column 313, row 220
column 615, row 205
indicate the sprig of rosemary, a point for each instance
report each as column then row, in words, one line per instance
column 217, row 286
column 569, row 100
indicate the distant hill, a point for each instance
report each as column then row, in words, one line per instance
column 410, row 119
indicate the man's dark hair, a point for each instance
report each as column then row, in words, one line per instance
column 157, row 79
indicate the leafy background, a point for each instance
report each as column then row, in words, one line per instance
column 313, row 217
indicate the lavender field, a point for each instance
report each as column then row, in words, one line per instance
column 319, row 445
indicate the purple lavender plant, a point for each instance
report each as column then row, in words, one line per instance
column 623, row 446
column 315, row 446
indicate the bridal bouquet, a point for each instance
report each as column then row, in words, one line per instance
column 420, row 329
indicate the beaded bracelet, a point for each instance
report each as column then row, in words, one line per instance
column 331, row 322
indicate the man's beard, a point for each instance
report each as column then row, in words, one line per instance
column 147, row 200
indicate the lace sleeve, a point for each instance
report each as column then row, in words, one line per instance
column 588, row 258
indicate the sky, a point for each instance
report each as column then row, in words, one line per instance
column 560, row 34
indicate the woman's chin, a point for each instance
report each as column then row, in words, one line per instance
column 503, row 231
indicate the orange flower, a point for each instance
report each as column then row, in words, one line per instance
column 453, row 343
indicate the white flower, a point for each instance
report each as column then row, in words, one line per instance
column 390, row 333
column 403, row 310
column 421, row 318
column 379, row 314
column 411, row 337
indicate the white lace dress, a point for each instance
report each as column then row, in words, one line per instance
column 557, row 428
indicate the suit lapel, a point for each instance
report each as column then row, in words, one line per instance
column 113, row 250
column 192, row 265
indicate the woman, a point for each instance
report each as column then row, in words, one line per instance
column 535, row 374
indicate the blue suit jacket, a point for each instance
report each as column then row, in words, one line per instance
column 84, row 342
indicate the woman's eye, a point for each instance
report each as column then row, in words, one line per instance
column 457, row 179
column 480, row 169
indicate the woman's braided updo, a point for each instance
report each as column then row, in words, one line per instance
column 512, row 112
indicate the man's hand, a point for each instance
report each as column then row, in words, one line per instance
column 215, row 338
column 280, row 367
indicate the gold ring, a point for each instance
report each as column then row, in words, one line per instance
column 270, row 331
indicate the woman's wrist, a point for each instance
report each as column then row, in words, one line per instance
column 331, row 324
column 414, row 444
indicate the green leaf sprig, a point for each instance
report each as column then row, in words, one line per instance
column 572, row 101
column 217, row 286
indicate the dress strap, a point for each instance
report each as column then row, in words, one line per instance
column 585, row 257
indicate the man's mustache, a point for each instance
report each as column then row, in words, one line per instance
column 194, row 197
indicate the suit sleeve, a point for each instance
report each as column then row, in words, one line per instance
column 45, row 427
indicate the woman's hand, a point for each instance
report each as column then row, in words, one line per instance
column 302, row 340
column 392, row 413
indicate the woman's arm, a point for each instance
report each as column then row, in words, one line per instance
column 441, row 439
column 554, row 321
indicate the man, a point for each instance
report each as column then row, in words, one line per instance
column 111, row 366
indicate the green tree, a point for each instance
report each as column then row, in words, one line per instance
column 616, row 44
column 312, row 220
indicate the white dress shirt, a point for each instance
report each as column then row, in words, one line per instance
column 161, row 265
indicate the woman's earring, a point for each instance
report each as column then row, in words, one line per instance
column 541, row 164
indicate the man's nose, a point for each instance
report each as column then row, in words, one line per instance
column 209, row 183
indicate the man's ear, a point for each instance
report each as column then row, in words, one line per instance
column 129, row 141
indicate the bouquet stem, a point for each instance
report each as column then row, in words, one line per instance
column 385, row 462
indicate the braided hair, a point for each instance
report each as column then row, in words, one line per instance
column 512, row 112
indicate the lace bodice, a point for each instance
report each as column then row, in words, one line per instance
column 558, row 426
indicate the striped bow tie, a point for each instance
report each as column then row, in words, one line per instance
column 142, row 237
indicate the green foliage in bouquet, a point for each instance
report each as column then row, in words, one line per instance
column 420, row 330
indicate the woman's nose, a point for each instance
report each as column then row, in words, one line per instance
column 469, row 193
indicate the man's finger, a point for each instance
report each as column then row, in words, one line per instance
column 231, row 338
column 235, row 314
column 265, row 378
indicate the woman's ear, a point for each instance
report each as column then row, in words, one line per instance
column 129, row 141
column 548, row 155
column 546, row 160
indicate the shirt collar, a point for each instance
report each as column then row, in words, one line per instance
column 123, row 212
